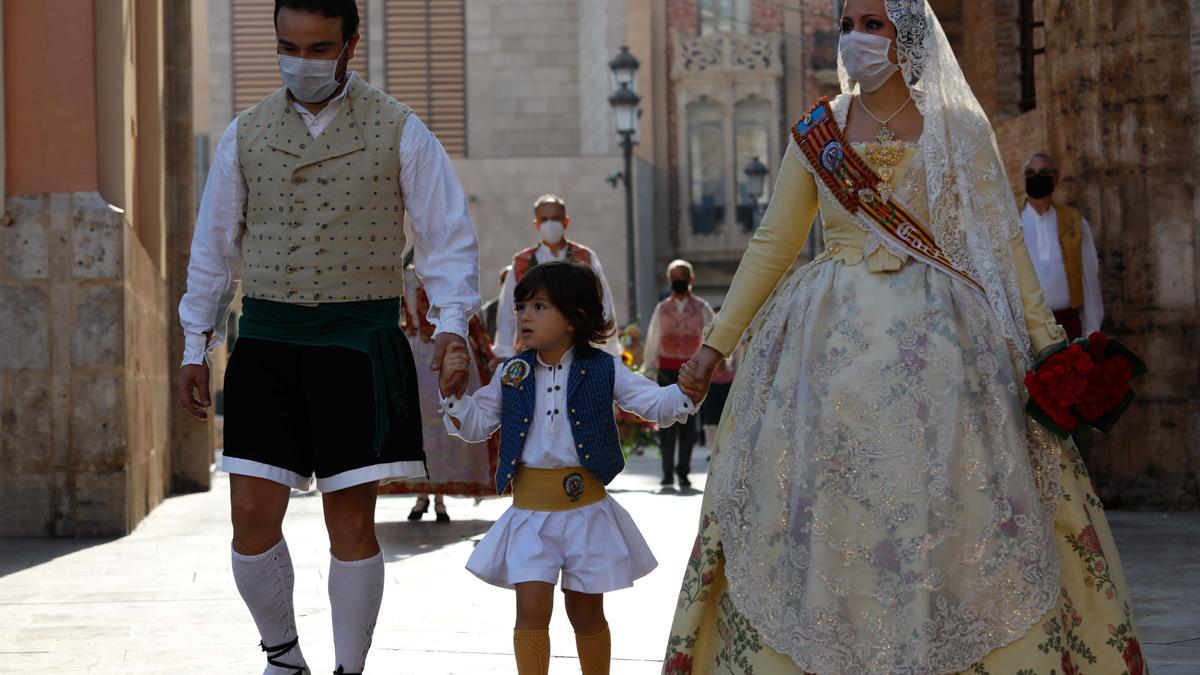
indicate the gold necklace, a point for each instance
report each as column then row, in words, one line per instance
column 885, row 134
column 887, row 152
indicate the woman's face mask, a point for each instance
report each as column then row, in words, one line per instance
column 865, row 57
column 310, row 80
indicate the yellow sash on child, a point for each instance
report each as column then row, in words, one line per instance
column 556, row 489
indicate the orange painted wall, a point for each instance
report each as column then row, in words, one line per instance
column 49, row 96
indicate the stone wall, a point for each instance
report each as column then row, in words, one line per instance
column 601, row 34
column 522, row 78
column 1115, row 107
column 83, row 372
column 1120, row 98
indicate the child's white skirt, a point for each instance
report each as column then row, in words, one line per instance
column 596, row 549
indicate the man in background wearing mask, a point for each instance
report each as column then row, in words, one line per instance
column 305, row 202
column 551, row 222
column 1063, row 251
column 675, row 334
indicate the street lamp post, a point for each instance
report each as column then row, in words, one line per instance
column 624, row 101
column 756, row 178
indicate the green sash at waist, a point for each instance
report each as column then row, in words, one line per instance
column 368, row 326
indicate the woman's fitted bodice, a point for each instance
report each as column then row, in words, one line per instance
column 848, row 240
column 795, row 202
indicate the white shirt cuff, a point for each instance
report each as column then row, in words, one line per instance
column 451, row 322
column 452, row 407
column 682, row 405
column 195, row 350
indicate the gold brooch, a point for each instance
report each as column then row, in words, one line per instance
column 515, row 372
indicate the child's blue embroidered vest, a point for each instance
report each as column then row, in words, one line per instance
column 589, row 411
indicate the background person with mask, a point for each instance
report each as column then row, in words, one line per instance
column 306, row 207
column 675, row 334
column 551, row 222
column 1062, row 249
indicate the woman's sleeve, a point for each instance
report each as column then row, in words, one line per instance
column 1039, row 320
column 772, row 251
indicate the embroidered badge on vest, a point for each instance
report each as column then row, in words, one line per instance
column 573, row 486
column 515, row 373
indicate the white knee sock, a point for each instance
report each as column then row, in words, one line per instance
column 355, row 594
column 265, row 582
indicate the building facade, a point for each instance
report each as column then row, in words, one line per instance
column 97, row 180
column 1110, row 89
column 726, row 77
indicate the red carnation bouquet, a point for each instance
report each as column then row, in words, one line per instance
column 1082, row 385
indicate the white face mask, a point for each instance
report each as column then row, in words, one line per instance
column 310, row 80
column 552, row 231
column 865, row 57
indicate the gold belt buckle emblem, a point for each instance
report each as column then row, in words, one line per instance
column 573, row 486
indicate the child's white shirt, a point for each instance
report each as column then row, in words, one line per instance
column 549, row 443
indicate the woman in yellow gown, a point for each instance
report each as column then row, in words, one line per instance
column 877, row 500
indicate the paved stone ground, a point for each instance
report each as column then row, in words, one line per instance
column 162, row 600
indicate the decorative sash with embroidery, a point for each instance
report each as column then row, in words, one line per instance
column 862, row 192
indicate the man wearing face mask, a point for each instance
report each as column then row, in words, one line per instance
column 1063, row 251
column 551, row 222
column 305, row 202
column 675, row 334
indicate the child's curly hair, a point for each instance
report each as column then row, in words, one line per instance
column 575, row 290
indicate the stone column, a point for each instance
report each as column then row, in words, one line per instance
column 190, row 440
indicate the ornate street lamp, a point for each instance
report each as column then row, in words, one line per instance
column 756, row 180
column 624, row 101
column 756, row 177
column 624, row 67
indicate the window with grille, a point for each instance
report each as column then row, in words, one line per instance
column 706, row 164
column 1032, row 34
column 725, row 16
column 751, row 121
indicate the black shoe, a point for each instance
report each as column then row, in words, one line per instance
column 668, row 481
column 273, row 654
column 419, row 510
column 684, row 482
column 442, row 516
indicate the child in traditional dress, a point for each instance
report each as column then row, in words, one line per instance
column 558, row 449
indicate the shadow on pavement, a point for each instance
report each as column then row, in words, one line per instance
column 22, row 554
column 658, row 490
column 404, row 539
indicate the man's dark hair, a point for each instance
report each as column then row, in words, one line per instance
column 347, row 9
column 575, row 290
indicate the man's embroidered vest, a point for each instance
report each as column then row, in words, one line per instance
column 324, row 216
column 681, row 333
column 527, row 259
column 589, row 411
column 1070, row 240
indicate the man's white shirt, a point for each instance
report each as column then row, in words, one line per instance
column 1041, row 238
column 446, row 251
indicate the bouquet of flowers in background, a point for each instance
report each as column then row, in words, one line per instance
column 1083, row 385
column 635, row 432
